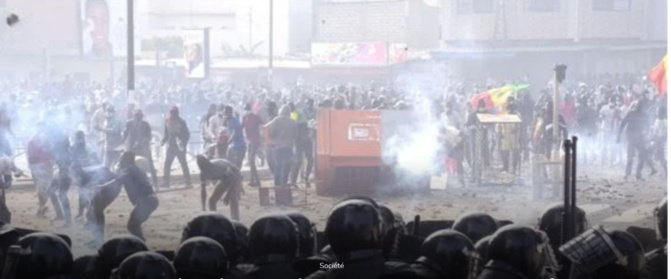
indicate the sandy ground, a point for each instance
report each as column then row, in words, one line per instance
column 602, row 193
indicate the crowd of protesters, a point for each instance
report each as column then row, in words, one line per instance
column 97, row 143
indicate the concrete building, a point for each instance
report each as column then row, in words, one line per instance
column 411, row 22
column 574, row 20
column 518, row 37
column 237, row 28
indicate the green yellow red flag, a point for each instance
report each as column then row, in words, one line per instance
column 658, row 76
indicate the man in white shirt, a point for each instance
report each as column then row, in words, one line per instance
column 96, row 127
column 659, row 138
column 610, row 119
column 216, row 127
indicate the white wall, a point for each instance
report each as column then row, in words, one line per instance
column 229, row 22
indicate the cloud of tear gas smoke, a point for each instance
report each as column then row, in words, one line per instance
column 31, row 108
column 412, row 142
column 414, row 145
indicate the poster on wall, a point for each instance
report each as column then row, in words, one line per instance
column 350, row 54
column 196, row 53
column 104, row 29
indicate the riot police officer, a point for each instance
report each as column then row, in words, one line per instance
column 217, row 227
column 590, row 253
column 201, row 257
column 114, row 251
column 243, row 243
column 656, row 260
column 308, row 266
column 307, row 235
column 517, row 252
column 475, row 225
column 393, row 228
column 355, row 231
column 481, row 247
column 145, row 265
column 84, row 267
column 46, row 256
column 273, row 243
column 551, row 222
column 447, row 254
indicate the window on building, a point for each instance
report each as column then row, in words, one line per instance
column 611, row 5
column 544, row 5
column 476, row 6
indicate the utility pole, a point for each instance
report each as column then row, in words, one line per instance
column 130, row 53
column 250, row 30
column 270, row 49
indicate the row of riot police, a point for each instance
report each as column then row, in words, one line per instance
column 362, row 239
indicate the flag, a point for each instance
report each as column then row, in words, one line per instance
column 658, row 76
column 485, row 97
column 497, row 97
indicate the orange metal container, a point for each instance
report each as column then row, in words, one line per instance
column 349, row 148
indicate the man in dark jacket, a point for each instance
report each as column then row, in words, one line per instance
column 139, row 191
column 176, row 135
column 636, row 125
column 137, row 137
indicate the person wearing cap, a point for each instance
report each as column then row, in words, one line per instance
column 176, row 135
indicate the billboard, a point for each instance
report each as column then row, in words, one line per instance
column 398, row 53
column 349, row 54
column 103, row 29
column 196, row 53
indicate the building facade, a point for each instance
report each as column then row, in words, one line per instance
column 575, row 20
column 410, row 22
column 516, row 37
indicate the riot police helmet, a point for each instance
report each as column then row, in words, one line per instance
column 481, row 247
column 215, row 226
column 660, row 217
column 145, row 265
column 450, row 253
column 242, row 233
column 526, row 250
column 114, row 251
column 307, row 235
column 201, row 257
column 46, row 255
column 475, row 225
column 552, row 220
column 354, row 226
column 273, row 238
